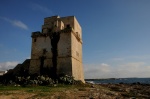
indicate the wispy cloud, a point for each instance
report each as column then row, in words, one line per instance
column 141, row 57
column 8, row 65
column 132, row 69
column 16, row 23
column 41, row 8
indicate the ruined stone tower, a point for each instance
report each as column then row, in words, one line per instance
column 58, row 48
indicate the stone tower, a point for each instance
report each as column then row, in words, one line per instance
column 58, row 48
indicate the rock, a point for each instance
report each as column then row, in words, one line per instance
column 92, row 86
column 76, row 89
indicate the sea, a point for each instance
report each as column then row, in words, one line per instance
column 119, row 80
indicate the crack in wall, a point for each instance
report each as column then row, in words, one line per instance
column 54, row 42
column 42, row 58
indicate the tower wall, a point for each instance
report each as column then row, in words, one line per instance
column 41, row 46
column 77, row 68
column 64, row 54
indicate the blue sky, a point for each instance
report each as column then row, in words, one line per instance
column 115, row 33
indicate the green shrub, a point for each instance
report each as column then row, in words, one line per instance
column 42, row 80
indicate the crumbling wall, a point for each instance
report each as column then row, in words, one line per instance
column 19, row 70
column 22, row 69
column 41, row 55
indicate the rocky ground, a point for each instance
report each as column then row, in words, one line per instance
column 90, row 91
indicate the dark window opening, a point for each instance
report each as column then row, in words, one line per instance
column 42, row 58
column 35, row 40
column 68, row 25
column 49, row 30
column 44, row 51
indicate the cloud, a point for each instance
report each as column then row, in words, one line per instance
column 133, row 69
column 41, row 8
column 16, row 23
column 8, row 65
column 28, row 57
column 97, row 70
column 141, row 57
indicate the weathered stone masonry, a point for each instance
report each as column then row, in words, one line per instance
column 58, row 48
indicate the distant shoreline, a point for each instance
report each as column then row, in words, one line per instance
column 119, row 80
column 114, row 78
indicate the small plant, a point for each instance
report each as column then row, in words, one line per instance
column 37, row 80
column 66, row 79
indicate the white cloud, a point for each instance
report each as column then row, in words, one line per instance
column 16, row 23
column 97, row 70
column 8, row 65
column 20, row 24
column 134, row 69
column 41, row 8
column 28, row 57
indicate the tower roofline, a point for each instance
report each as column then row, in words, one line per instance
column 55, row 16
